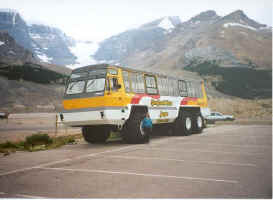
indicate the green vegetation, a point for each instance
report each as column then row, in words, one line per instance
column 37, row 142
column 31, row 72
column 37, row 139
column 241, row 82
column 41, row 141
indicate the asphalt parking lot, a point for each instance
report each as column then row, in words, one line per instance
column 227, row 161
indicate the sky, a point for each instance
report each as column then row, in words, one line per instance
column 96, row 20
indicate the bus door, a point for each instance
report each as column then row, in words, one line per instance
column 113, row 87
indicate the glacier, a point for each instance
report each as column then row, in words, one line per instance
column 84, row 51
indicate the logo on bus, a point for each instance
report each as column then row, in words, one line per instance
column 161, row 103
column 163, row 114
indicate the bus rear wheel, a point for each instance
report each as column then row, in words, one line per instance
column 184, row 125
column 95, row 134
column 198, row 123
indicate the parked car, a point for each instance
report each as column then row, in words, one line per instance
column 216, row 116
column 4, row 115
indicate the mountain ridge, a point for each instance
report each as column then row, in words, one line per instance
column 232, row 40
column 47, row 43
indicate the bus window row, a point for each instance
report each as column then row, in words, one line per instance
column 142, row 83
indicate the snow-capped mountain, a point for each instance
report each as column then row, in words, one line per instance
column 151, row 36
column 13, row 23
column 168, row 24
column 48, row 44
column 232, row 40
column 51, row 45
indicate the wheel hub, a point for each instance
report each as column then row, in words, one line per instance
column 188, row 123
column 199, row 122
column 141, row 129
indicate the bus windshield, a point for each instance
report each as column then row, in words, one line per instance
column 92, row 85
column 75, row 87
column 91, row 82
column 95, row 85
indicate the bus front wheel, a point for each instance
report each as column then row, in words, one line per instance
column 133, row 133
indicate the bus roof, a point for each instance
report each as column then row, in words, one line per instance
column 105, row 66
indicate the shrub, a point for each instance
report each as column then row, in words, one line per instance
column 38, row 139
column 7, row 145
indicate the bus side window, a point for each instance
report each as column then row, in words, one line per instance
column 190, row 89
column 162, row 85
column 165, row 86
column 137, row 82
column 140, row 83
column 182, row 86
column 107, row 85
column 170, row 87
column 159, row 84
column 151, row 87
column 175, row 87
column 114, row 84
column 126, row 81
column 196, row 89
column 133, row 81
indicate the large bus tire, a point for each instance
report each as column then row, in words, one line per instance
column 187, row 124
column 133, row 133
column 184, row 125
column 95, row 134
column 198, row 123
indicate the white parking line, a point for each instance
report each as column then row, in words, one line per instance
column 231, row 145
column 242, row 136
column 199, row 151
column 30, row 196
column 25, row 196
column 16, row 171
column 146, row 175
column 188, row 161
column 66, row 160
column 206, row 131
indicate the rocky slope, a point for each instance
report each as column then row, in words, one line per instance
column 51, row 45
column 232, row 40
column 11, row 52
column 48, row 44
column 21, row 75
column 27, row 96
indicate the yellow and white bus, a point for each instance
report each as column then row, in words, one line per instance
column 104, row 98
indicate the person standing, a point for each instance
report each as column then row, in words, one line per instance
column 147, row 126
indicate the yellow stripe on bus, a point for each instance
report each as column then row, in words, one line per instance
column 96, row 102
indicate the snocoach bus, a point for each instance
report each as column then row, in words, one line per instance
column 104, row 98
